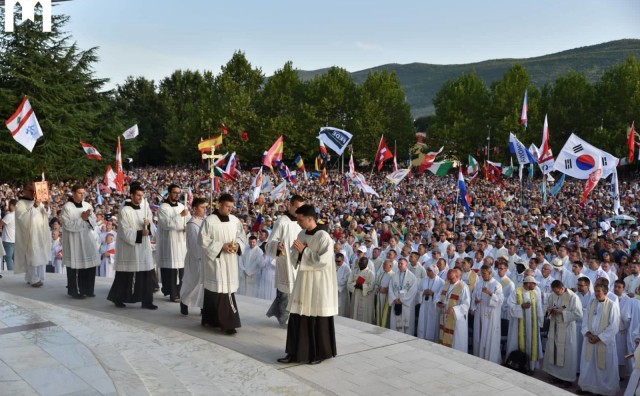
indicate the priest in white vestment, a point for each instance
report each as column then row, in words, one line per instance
column 192, row 289
column 313, row 303
column 453, row 303
column 343, row 270
column 525, row 308
column 80, row 243
column 171, row 242
column 33, row 239
column 250, row 268
column 625, row 304
column 561, row 355
column 402, row 294
column 429, row 317
column 221, row 237
column 285, row 231
column 632, row 282
column 599, row 364
column 486, row 305
column 383, row 280
column 134, row 264
column 508, row 287
column 585, row 294
column 361, row 284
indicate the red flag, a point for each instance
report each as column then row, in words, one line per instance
column 591, row 183
column 631, row 142
column 428, row 160
column 245, row 136
column 119, row 172
column 225, row 130
column 383, row 153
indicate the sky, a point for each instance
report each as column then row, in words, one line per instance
column 153, row 38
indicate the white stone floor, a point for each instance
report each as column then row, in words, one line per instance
column 90, row 347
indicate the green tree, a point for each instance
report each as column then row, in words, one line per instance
column 59, row 80
column 462, row 110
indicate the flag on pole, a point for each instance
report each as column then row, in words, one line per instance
column 323, row 176
column 395, row 157
column 91, row 151
column 591, row 183
column 335, row 138
column 275, row 153
column 525, row 109
column 580, row 159
column 352, row 165
column 523, row 155
column 397, row 176
column 300, row 164
column 119, row 169
column 556, row 189
column 473, row 167
column 257, row 185
column 615, row 192
column 110, row 178
column 279, row 191
column 441, row 168
column 205, row 145
column 508, row 172
column 256, row 224
column 345, row 184
column 232, row 165
column 429, row 159
column 24, row 125
column 631, row 142
column 383, row 153
column 323, row 151
column 225, row 130
column 463, row 192
column 359, row 180
column 545, row 155
column 131, row 132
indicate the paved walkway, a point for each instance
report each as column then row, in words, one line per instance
column 51, row 344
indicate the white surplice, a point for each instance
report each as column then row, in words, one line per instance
column 192, row 290
column 267, row 288
column 250, row 271
column 344, row 305
column 429, row 318
column 285, row 230
column 80, row 241
column 171, row 240
column 406, row 292
column 33, row 240
column 486, row 322
column 133, row 250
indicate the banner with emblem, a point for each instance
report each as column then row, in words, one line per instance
column 24, row 125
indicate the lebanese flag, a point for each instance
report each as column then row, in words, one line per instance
column 24, row 125
column 631, row 142
column 383, row 153
column 91, row 151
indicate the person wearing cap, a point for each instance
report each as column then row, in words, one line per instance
column 453, row 303
column 191, row 291
column 633, row 243
column 429, row 316
column 383, row 280
column 285, row 231
column 525, row 308
column 360, row 253
column 368, row 243
column 402, row 293
column 620, row 251
column 560, row 271
column 343, row 271
column 361, row 284
column 517, row 276
column 563, row 310
column 486, row 307
column 599, row 361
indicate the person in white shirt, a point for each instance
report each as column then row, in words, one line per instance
column 594, row 271
column 8, row 225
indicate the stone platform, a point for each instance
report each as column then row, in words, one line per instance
column 51, row 344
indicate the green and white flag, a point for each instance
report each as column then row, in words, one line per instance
column 473, row 166
column 441, row 168
column 508, row 172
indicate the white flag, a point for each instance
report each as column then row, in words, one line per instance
column 335, row 138
column 131, row 132
column 523, row 155
column 615, row 192
column 359, row 180
column 257, row 185
column 579, row 159
column 280, row 191
column 545, row 154
column 24, row 126
column 397, row 176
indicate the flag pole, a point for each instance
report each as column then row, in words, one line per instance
column 376, row 156
column 455, row 211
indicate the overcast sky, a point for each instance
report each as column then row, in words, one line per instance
column 152, row 38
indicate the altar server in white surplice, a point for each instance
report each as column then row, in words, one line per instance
column 222, row 238
column 33, row 239
column 284, row 232
column 561, row 355
column 267, row 289
column 80, row 243
column 171, row 242
column 453, row 303
column 250, row 268
column 599, row 361
column 134, row 264
column 402, row 295
column 192, row 290
column 486, row 304
column 342, row 273
column 527, row 316
column 429, row 318
column 361, row 283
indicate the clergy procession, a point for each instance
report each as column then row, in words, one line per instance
column 544, row 281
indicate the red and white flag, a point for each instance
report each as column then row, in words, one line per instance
column 91, row 151
column 119, row 171
column 383, row 153
column 591, row 183
column 545, row 155
column 429, row 159
column 24, row 125
column 110, row 178
column 631, row 142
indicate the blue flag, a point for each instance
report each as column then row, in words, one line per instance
column 556, row 189
column 463, row 192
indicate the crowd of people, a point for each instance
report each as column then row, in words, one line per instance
column 526, row 279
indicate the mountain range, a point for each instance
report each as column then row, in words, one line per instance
column 422, row 81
